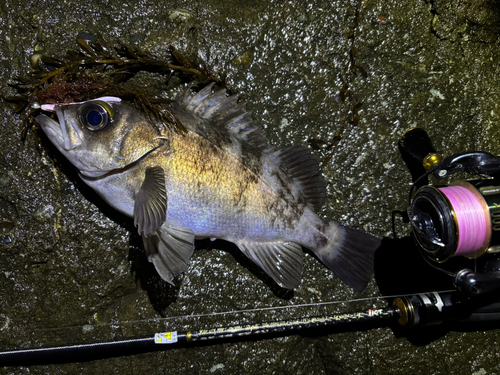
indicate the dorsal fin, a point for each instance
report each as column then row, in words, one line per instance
column 225, row 111
column 303, row 169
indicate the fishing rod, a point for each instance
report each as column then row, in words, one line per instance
column 461, row 219
column 173, row 339
column 418, row 310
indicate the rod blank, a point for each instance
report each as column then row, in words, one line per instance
column 167, row 340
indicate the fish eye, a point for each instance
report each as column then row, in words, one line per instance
column 96, row 115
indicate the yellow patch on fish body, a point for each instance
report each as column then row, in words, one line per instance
column 231, row 198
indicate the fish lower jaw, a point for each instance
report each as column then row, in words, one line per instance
column 94, row 174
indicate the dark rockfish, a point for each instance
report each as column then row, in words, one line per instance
column 221, row 179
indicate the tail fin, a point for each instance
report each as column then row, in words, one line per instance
column 352, row 258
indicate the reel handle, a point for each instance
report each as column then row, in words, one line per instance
column 417, row 144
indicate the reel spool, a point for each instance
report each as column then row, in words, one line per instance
column 458, row 220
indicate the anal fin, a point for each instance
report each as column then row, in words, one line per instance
column 280, row 260
column 169, row 249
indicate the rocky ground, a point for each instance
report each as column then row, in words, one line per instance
column 346, row 78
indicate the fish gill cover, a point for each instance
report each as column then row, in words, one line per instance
column 97, row 69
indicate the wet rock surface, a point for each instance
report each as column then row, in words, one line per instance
column 347, row 79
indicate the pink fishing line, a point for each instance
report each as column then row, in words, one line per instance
column 469, row 213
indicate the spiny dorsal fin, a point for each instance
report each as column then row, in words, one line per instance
column 225, row 111
column 303, row 169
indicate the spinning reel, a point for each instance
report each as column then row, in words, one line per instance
column 460, row 219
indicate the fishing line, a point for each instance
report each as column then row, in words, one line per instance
column 471, row 218
column 231, row 312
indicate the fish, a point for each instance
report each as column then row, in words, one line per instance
column 220, row 179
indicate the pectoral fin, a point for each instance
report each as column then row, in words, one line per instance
column 280, row 260
column 169, row 249
column 150, row 207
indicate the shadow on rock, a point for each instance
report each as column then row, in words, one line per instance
column 400, row 269
column 161, row 294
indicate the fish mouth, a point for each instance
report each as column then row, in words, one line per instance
column 64, row 136
column 51, row 129
column 67, row 139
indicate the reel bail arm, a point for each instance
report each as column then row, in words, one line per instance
column 476, row 162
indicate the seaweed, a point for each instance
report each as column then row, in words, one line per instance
column 327, row 147
column 96, row 69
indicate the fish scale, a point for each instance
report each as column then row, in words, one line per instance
column 215, row 195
